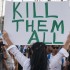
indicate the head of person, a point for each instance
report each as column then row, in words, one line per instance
column 38, row 60
column 55, row 49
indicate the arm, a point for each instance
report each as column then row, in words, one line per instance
column 63, row 52
column 13, row 50
column 66, row 46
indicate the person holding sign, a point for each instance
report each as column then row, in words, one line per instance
column 38, row 60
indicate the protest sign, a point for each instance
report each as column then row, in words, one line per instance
column 29, row 22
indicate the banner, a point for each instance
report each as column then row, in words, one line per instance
column 29, row 22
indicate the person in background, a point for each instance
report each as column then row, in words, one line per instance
column 48, row 49
column 8, row 60
column 38, row 60
column 61, row 63
column 3, row 56
column 68, row 61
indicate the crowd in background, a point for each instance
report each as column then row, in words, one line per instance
column 8, row 62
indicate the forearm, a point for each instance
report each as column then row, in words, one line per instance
column 66, row 46
column 9, row 43
column 17, row 54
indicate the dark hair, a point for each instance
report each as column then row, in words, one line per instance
column 38, row 59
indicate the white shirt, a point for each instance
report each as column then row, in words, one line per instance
column 25, row 62
column 57, row 65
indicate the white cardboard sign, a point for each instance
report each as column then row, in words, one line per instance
column 29, row 22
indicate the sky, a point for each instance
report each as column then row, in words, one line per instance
column 2, row 11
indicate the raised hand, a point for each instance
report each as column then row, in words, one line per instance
column 5, row 35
